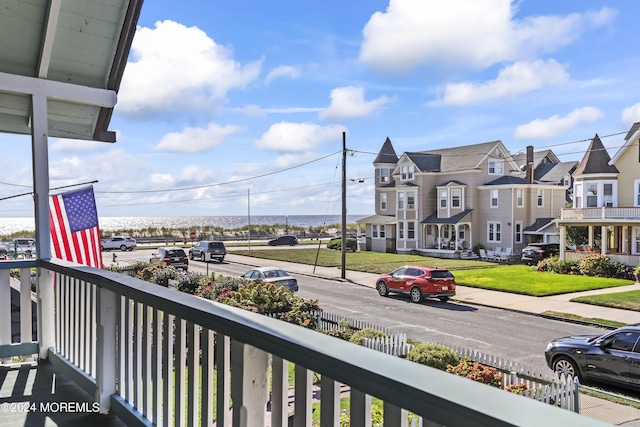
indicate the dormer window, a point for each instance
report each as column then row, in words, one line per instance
column 385, row 176
column 496, row 167
column 406, row 172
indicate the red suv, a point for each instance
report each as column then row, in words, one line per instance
column 418, row 283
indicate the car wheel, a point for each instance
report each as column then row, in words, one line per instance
column 416, row 294
column 444, row 299
column 565, row 366
column 202, row 258
column 382, row 289
column 123, row 248
column 191, row 255
column 220, row 259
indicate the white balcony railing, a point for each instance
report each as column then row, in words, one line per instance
column 153, row 355
column 622, row 213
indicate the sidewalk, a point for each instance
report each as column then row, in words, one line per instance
column 505, row 300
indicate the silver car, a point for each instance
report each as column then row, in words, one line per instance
column 273, row 275
column 118, row 242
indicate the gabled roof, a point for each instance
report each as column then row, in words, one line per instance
column 553, row 172
column 538, row 225
column 74, row 53
column 386, row 154
column 595, row 160
column 508, row 180
column 470, row 157
column 377, row 219
column 632, row 135
column 539, row 158
column 425, row 162
column 433, row 218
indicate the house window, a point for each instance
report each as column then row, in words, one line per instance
column 383, row 201
column 637, row 187
column 374, row 230
column 385, row 176
column 607, row 195
column 382, row 231
column 406, row 172
column 494, row 232
column 494, row 198
column 401, row 230
column 411, row 230
column 496, row 167
column 443, row 199
column 411, row 200
column 540, row 198
column 592, row 195
column 429, row 231
column 578, row 195
column 455, row 197
column 520, row 197
column 518, row 232
column 400, row 200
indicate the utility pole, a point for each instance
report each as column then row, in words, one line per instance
column 344, row 204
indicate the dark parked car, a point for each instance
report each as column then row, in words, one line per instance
column 535, row 252
column 283, row 240
column 207, row 250
column 272, row 275
column 612, row 358
column 418, row 283
column 175, row 257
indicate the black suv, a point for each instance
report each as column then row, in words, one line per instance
column 174, row 257
column 208, row 250
column 535, row 252
column 283, row 241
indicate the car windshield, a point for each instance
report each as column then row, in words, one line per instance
column 175, row 252
column 270, row 274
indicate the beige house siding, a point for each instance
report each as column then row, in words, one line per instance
column 629, row 167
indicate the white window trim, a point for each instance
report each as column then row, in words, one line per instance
column 383, row 201
column 495, row 163
column 520, row 200
column 415, row 196
column 414, row 230
column 401, row 203
column 636, row 186
column 540, row 197
column 519, row 235
column 497, row 225
column 497, row 198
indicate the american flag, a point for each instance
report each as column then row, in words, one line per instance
column 75, row 233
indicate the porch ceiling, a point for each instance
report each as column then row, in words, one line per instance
column 78, row 42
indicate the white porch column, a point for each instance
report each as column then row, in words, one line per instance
column 603, row 239
column 107, row 315
column 591, row 236
column 563, row 241
column 40, row 165
column 249, row 385
column 439, row 238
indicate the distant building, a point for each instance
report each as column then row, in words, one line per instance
column 441, row 202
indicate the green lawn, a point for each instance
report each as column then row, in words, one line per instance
column 629, row 300
column 517, row 278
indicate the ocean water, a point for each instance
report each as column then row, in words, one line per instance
column 13, row 225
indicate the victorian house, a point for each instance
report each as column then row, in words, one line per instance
column 444, row 202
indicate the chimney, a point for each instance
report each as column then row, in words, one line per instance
column 530, row 164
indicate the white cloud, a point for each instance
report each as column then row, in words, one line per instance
column 177, row 65
column 555, row 125
column 348, row 102
column 282, row 71
column 299, row 137
column 466, row 33
column 196, row 140
column 515, row 79
column 630, row 115
column 197, row 174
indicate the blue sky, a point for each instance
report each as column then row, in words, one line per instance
column 225, row 99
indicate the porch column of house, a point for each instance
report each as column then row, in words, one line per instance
column 591, row 236
column 470, row 236
column 439, row 238
column 603, row 239
column 563, row 241
column 40, row 166
column 249, row 385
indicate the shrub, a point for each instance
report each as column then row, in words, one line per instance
column 434, row 355
column 336, row 244
column 302, row 313
column 358, row 336
column 555, row 265
column 214, row 287
column 343, row 334
column 189, row 282
column 595, row 265
column 477, row 372
column 477, row 247
column 259, row 297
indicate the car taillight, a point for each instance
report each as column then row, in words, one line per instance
column 166, row 259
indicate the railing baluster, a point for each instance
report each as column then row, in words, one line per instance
column 302, row 411
column 279, row 392
column 5, row 313
column 330, row 402
column 207, row 365
column 167, row 365
column 223, row 374
column 179, row 362
column 147, row 323
column 193, row 366
column 360, row 410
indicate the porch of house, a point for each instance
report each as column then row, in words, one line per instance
column 114, row 349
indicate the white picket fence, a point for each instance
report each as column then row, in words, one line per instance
column 552, row 389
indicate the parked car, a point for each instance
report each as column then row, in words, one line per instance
column 118, row 242
column 612, row 358
column 272, row 275
column 23, row 245
column 175, row 257
column 535, row 252
column 418, row 282
column 283, row 241
column 207, row 250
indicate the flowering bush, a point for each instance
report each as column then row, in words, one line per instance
column 358, row 336
column 477, row 372
column 601, row 266
column 434, row 355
